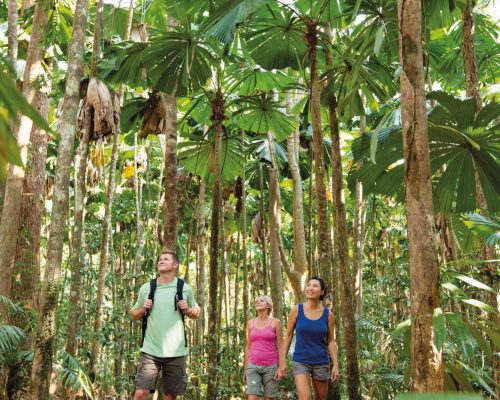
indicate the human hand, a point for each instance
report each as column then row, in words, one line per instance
column 148, row 304
column 183, row 306
column 280, row 373
column 335, row 373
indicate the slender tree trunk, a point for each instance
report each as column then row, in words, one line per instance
column 244, row 236
column 298, row 275
column 138, row 218
column 74, row 311
column 26, row 288
column 42, row 361
column 472, row 90
column 12, row 31
column 274, row 228
column 9, row 225
column 170, row 205
column 357, row 237
column 103, row 258
column 217, row 118
column 342, row 240
column 265, row 275
column 324, row 245
column 200, row 295
column 471, row 71
column 426, row 360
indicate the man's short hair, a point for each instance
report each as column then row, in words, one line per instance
column 174, row 255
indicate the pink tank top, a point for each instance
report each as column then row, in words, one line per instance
column 263, row 350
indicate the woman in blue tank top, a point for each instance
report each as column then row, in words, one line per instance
column 314, row 345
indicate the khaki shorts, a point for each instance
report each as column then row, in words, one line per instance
column 173, row 374
column 262, row 377
column 319, row 372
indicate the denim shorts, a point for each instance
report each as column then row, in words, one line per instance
column 260, row 380
column 173, row 373
column 319, row 372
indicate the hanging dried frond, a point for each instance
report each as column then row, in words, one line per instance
column 257, row 229
column 102, row 106
column 139, row 33
column 154, row 116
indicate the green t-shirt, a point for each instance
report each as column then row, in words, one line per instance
column 165, row 332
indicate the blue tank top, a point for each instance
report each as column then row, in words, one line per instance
column 311, row 338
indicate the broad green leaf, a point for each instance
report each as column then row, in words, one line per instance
column 480, row 304
column 401, row 328
column 493, row 335
column 460, row 377
column 379, row 37
column 474, row 282
column 481, row 341
column 478, row 378
column 439, row 328
column 453, row 288
column 461, row 334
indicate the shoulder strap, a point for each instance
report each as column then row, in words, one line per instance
column 152, row 288
column 179, row 297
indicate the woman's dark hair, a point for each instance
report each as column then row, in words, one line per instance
column 322, row 284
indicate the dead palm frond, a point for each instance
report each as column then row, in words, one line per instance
column 154, row 116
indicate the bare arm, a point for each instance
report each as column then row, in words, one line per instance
column 279, row 346
column 138, row 313
column 190, row 312
column 332, row 346
column 290, row 327
column 248, row 345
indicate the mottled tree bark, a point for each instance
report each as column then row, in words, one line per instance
column 26, row 279
column 213, row 328
column 170, row 204
column 42, row 361
column 12, row 31
column 426, row 360
column 297, row 276
column 342, row 241
column 324, row 240
column 274, row 232
column 487, row 252
column 9, row 224
column 470, row 63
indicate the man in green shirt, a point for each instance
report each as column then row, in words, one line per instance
column 164, row 347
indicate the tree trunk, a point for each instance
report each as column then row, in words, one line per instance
column 26, row 282
column 42, row 361
column 342, row 241
column 274, row 232
column 217, row 118
column 472, row 90
column 170, row 204
column 324, row 245
column 244, row 238
column 103, row 258
column 297, row 277
column 138, row 218
column 74, row 311
column 9, row 224
column 265, row 275
column 357, row 236
column 12, row 31
column 426, row 360
column 470, row 64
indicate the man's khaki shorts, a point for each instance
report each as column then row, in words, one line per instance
column 173, row 374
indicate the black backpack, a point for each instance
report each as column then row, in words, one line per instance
column 178, row 296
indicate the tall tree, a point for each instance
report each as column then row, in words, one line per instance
column 488, row 252
column 9, row 224
column 42, row 361
column 426, row 359
column 170, row 204
column 218, row 116
column 274, row 231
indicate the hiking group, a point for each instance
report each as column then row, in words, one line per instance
column 164, row 302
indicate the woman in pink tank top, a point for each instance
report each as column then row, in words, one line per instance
column 264, row 364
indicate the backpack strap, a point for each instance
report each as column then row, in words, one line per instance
column 152, row 288
column 179, row 297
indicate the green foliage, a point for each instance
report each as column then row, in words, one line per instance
column 486, row 227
